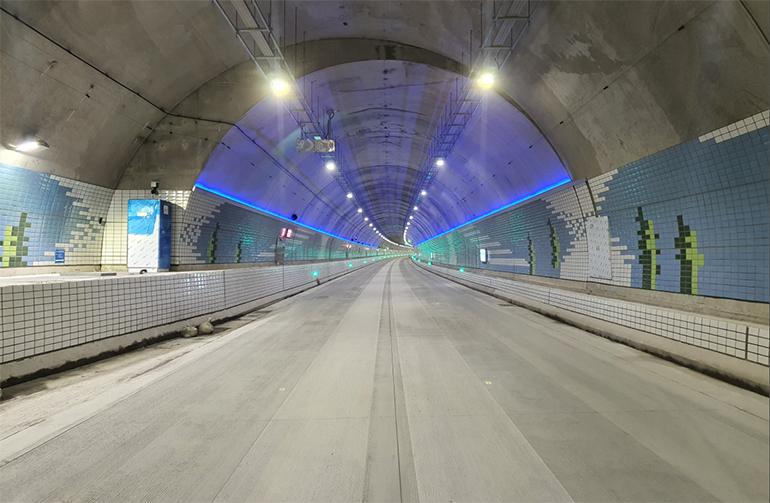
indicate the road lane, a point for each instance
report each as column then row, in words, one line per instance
column 394, row 384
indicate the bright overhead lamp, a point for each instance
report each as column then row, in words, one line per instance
column 422, row 192
column 360, row 210
column 374, row 229
column 28, row 145
column 350, row 195
column 279, row 85
column 410, row 217
column 415, row 208
column 330, row 165
column 487, row 78
column 370, row 225
column 439, row 162
column 366, row 219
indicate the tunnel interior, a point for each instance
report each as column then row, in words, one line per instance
column 534, row 266
column 384, row 112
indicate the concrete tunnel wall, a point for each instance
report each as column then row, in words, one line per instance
column 605, row 93
column 693, row 219
column 556, row 75
column 110, row 137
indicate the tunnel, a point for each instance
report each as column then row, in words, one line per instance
column 380, row 250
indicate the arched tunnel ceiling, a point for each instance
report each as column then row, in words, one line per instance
column 606, row 82
column 385, row 113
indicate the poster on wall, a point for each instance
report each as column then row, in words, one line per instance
column 598, row 233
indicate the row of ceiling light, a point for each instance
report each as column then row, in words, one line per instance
column 485, row 80
column 280, row 87
column 439, row 163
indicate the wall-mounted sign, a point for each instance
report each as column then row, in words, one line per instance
column 58, row 257
column 483, row 255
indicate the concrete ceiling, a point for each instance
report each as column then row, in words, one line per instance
column 591, row 86
column 385, row 112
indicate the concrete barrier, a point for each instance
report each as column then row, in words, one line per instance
column 679, row 342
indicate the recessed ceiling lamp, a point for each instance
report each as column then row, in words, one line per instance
column 422, row 192
column 410, row 217
column 330, row 166
column 370, row 225
column 439, row 162
column 415, row 208
column 366, row 219
column 360, row 210
column 350, row 195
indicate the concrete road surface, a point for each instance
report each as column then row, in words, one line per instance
column 389, row 384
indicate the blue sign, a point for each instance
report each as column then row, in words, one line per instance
column 58, row 256
column 142, row 215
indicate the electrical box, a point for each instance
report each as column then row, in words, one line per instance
column 309, row 145
column 149, row 235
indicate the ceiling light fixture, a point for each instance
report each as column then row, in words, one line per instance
column 422, row 192
column 330, row 165
column 410, row 217
column 415, row 208
column 487, row 78
column 350, row 195
column 360, row 210
column 439, row 162
column 366, row 219
column 279, row 85
column 28, row 145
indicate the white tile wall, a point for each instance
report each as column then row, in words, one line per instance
column 741, row 340
column 573, row 205
column 752, row 123
column 39, row 317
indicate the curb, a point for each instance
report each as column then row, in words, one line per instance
column 741, row 373
column 45, row 364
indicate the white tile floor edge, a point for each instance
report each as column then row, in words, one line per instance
column 745, row 341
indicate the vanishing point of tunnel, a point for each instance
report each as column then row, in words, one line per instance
column 378, row 250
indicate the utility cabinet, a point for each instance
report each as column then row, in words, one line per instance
column 149, row 235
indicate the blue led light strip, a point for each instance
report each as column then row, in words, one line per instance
column 498, row 210
column 239, row 201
